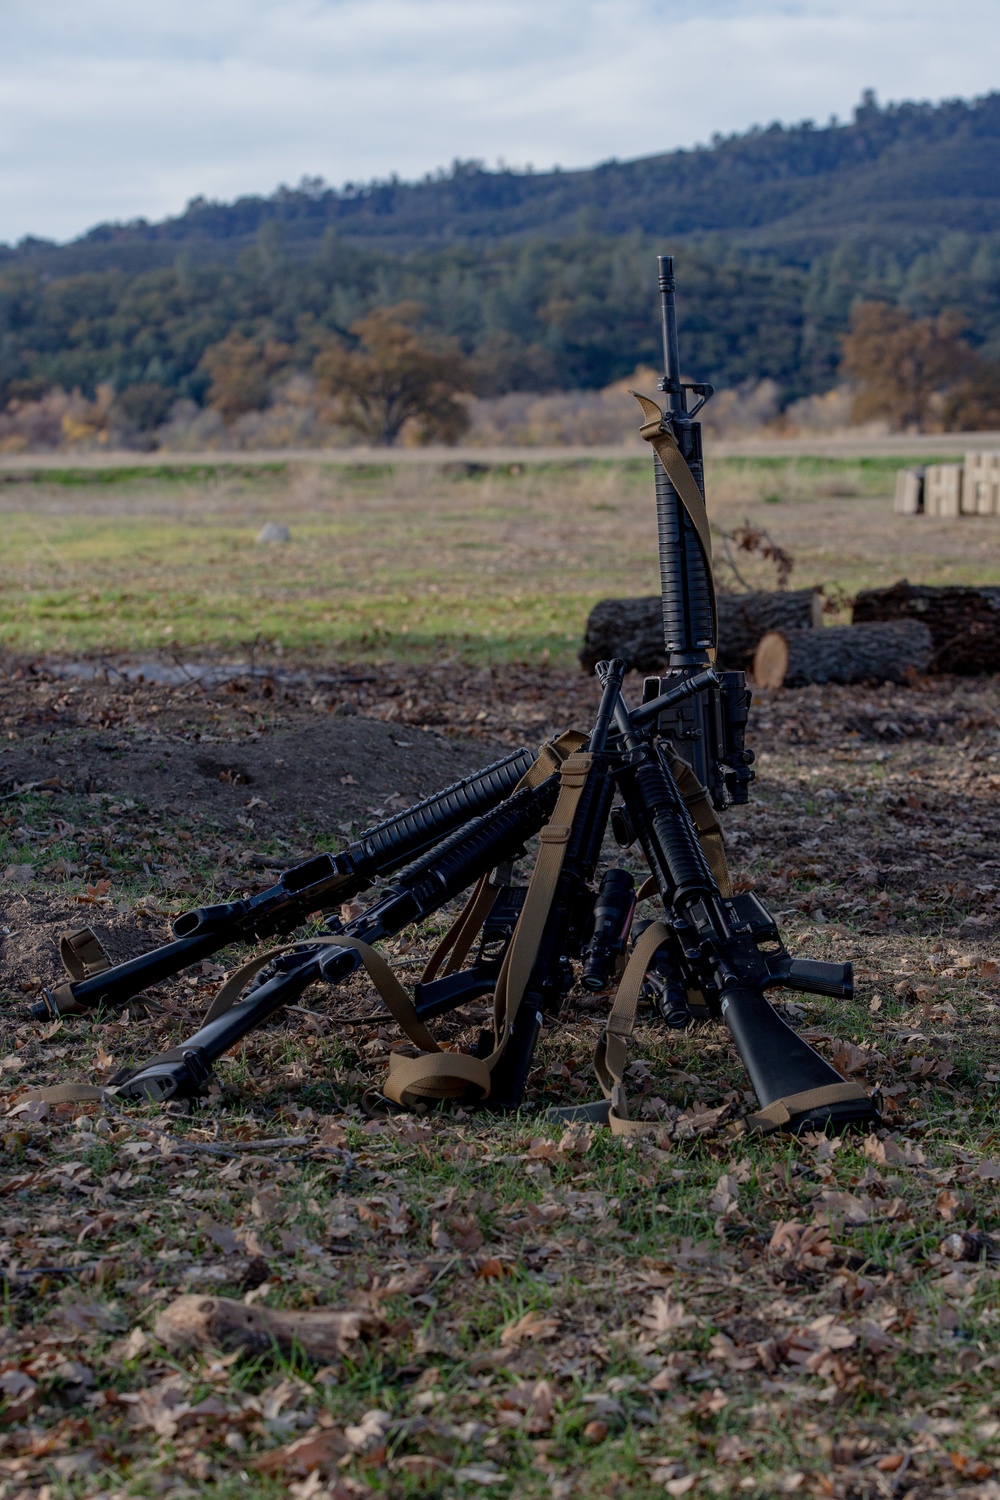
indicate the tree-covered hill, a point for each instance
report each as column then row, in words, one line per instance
column 544, row 279
column 905, row 169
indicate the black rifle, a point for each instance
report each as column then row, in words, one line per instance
column 708, row 729
column 418, row 891
column 728, row 947
column 314, row 885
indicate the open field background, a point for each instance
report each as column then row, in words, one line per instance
column 482, row 563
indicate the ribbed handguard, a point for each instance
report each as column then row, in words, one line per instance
column 408, row 833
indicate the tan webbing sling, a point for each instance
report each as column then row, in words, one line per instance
column 664, row 444
column 611, row 1059
column 433, row 1073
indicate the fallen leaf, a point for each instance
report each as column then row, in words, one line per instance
column 533, row 1325
column 493, row 1269
column 664, row 1315
column 317, row 1449
column 726, row 1195
column 369, row 1432
column 848, row 1058
column 847, row 1206
column 480, row 1474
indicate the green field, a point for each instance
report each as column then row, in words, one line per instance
column 486, row 564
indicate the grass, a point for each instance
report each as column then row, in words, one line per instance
column 412, row 564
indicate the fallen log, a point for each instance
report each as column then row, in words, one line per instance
column 895, row 652
column 632, row 629
column 964, row 622
column 194, row 1322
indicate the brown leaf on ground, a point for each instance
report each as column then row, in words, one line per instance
column 465, row 1233
column 847, row 1206
column 808, row 1245
column 732, row 1450
column 319, row 1448
column 494, row 1268
column 726, row 1195
column 723, row 1348
column 848, row 1058
column 532, row 1326
column 952, row 1205
column 530, row 1408
column 664, row 1316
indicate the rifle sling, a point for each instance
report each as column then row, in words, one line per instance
column 666, row 448
column 611, row 1057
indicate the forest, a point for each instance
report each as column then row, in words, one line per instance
column 542, row 281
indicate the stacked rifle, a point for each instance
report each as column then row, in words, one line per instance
column 651, row 777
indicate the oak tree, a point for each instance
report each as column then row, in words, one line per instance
column 393, row 378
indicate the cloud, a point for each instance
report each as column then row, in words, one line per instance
column 120, row 108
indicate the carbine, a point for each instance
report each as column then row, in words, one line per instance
column 727, row 949
column 416, row 893
column 315, row 885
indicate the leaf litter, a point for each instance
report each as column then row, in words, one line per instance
column 535, row 1310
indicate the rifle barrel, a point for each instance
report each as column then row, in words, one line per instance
column 671, row 348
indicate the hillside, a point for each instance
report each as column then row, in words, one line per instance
column 546, row 280
column 903, row 170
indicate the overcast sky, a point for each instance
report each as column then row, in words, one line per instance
column 114, row 109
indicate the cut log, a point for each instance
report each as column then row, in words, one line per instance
column 843, row 653
column 632, row 629
column 194, row 1322
column 964, row 622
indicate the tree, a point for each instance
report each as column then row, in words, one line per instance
column 392, row 378
column 974, row 404
column 145, row 404
column 242, row 370
column 903, row 366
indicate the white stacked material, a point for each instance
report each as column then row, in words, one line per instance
column 981, row 485
column 909, row 492
column 943, row 491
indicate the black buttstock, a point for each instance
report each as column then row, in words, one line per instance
column 780, row 1064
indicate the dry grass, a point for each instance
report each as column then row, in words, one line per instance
column 487, row 565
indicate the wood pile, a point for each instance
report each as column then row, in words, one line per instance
column 632, row 629
column 948, row 491
column 964, row 622
column 897, row 634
